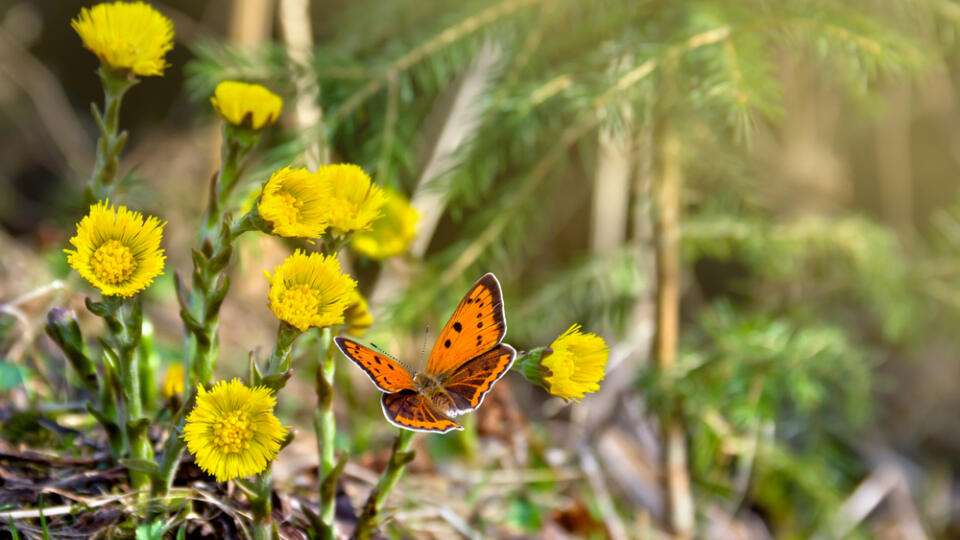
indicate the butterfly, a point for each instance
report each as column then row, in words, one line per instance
column 465, row 362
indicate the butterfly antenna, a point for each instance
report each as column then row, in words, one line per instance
column 385, row 353
column 426, row 334
column 423, row 351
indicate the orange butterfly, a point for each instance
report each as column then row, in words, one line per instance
column 465, row 362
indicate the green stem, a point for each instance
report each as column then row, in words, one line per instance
column 279, row 367
column 222, row 183
column 148, row 362
column 325, row 425
column 281, row 360
column 111, row 141
column 261, row 508
column 63, row 328
column 210, row 284
column 125, row 330
column 399, row 458
column 109, row 401
column 172, row 450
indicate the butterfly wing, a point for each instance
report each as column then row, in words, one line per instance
column 387, row 374
column 470, row 382
column 410, row 410
column 476, row 326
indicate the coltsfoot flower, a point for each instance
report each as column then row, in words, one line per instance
column 392, row 232
column 126, row 36
column 572, row 366
column 310, row 291
column 355, row 201
column 246, row 105
column 173, row 381
column 117, row 251
column 295, row 204
column 232, row 432
column 357, row 316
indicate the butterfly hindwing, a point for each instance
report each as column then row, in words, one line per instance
column 476, row 326
column 470, row 382
column 386, row 373
column 410, row 410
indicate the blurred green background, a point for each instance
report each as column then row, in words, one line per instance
column 816, row 148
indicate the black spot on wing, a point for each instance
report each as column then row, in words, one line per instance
column 458, row 327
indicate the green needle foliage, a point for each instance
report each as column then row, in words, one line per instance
column 775, row 371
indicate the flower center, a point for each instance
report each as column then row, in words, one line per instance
column 288, row 208
column 233, row 432
column 301, row 302
column 113, row 262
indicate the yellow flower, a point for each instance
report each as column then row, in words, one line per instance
column 246, row 105
column 576, row 365
column 232, row 431
column 357, row 316
column 126, row 36
column 295, row 204
column 355, row 201
column 392, row 233
column 173, row 381
column 310, row 291
column 116, row 250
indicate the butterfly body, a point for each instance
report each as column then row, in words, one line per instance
column 466, row 361
column 431, row 388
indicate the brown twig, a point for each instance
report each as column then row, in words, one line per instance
column 298, row 39
column 668, row 180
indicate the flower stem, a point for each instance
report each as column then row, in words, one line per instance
column 325, row 425
column 124, row 325
column 108, row 413
column 111, row 141
column 281, row 360
column 399, row 457
column 263, row 526
column 63, row 328
column 201, row 312
column 172, row 450
column 236, row 146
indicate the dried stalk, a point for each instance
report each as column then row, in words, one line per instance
column 668, row 181
column 298, row 38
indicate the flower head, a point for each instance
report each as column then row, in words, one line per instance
column 357, row 316
column 294, row 203
column 310, row 291
column 116, row 250
column 173, row 381
column 246, row 105
column 355, row 201
column 571, row 367
column 392, row 232
column 232, row 431
column 126, row 36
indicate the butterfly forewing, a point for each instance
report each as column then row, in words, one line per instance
column 409, row 409
column 468, row 384
column 385, row 372
column 476, row 326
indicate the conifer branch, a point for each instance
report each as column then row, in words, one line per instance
column 432, row 46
